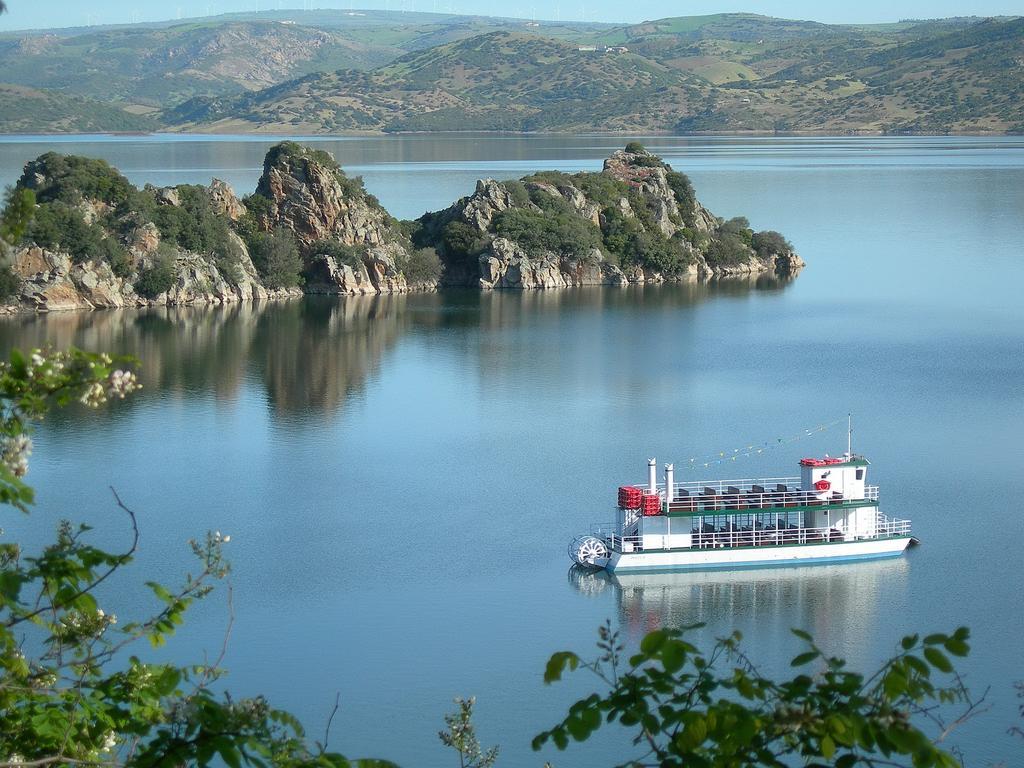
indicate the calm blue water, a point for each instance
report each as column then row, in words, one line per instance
column 400, row 475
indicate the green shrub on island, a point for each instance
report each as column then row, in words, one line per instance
column 737, row 227
column 71, row 179
column 192, row 224
column 635, row 148
column 18, row 211
column 548, row 230
column 460, row 242
column 727, row 250
column 769, row 242
column 158, row 277
column 686, row 197
column 422, row 266
column 350, row 255
column 10, row 283
column 59, row 226
column 276, row 258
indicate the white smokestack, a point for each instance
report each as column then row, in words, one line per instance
column 652, row 475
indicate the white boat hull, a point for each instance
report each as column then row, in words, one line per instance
column 741, row 557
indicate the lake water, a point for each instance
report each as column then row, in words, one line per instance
column 400, row 475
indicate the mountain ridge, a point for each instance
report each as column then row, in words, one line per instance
column 716, row 73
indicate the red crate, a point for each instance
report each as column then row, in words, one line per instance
column 630, row 497
column 651, row 505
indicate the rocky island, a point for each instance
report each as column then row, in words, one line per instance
column 84, row 237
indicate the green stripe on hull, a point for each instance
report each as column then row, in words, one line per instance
column 760, row 564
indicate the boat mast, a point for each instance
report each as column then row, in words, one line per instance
column 849, row 434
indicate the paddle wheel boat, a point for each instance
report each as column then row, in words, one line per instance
column 826, row 514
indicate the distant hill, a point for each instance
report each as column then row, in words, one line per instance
column 496, row 81
column 159, row 67
column 26, row 110
column 336, row 71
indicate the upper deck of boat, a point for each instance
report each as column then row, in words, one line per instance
column 771, row 493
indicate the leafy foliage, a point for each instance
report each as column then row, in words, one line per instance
column 192, row 225
column 19, row 207
column 72, row 178
column 460, row 735
column 156, row 278
column 686, row 197
column 690, row 709
column 58, row 225
column 460, row 241
column 769, row 242
column 276, row 258
column 422, row 266
column 352, row 255
column 557, row 230
column 726, row 250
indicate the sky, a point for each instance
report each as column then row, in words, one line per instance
column 24, row 14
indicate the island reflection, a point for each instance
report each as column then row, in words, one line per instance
column 310, row 355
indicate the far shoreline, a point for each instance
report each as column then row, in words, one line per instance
column 299, row 136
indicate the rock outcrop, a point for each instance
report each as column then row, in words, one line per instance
column 52, row 282
column 637, row 221
column 507, row 265
column 310, row 196
column 668, row 234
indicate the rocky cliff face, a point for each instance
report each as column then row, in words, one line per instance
column 51, row 282
column 312, row 197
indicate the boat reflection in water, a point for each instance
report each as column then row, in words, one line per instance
column 842, row 605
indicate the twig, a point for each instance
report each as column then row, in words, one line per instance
column 209, row 670
column 121, row 560
column 327, row 730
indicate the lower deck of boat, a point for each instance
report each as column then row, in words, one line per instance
column 746, row 557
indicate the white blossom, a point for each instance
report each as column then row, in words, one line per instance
column 121, row 383
column 14, row 453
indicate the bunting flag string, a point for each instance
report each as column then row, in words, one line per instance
column 753, row 449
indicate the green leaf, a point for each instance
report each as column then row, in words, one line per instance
column 802, row 634
column 894, row 684
column 557, row 663
column 828, row 747
column 673, row 655
column 909, row 642
column 918, row 666
column 561, row 740
column 804, row 658
column 938, row 660
column 653, row 641
column 957, row 647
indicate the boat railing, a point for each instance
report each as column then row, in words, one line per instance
column 737, row 497
column 709, row 537
column 721, row 485
column 888, row 527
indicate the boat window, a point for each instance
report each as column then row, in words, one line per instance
column 860, row 474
